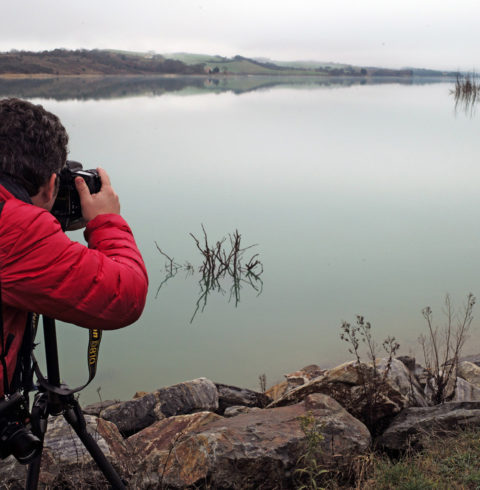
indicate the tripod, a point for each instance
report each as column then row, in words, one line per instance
column 48, row 402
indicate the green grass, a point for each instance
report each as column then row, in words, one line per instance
column 448, row 462
column 193, row 58
column 231, row 65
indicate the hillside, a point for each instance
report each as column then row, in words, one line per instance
column 62, row 62
column 95, row 62
column 263, row 66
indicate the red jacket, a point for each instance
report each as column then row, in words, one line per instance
column 103, row 286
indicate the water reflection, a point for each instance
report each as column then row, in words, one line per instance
column 222, row 262
column 98, row 88
column 466, row 93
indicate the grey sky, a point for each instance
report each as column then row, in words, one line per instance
column 438, row 34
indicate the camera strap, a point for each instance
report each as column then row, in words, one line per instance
column 94, row 339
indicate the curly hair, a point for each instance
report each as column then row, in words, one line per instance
column 33, row 143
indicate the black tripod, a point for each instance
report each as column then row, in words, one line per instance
column 48, row 402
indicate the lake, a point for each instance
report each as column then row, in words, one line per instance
column 361, row 198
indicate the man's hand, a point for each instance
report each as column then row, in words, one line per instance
column 103, row 202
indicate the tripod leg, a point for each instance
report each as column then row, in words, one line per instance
column 39, row 421
column 33, row 473
column 74, row 416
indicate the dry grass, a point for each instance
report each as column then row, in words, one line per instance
column 447, row 462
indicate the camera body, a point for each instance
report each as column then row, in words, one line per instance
column 67, row 208
column 15, row 438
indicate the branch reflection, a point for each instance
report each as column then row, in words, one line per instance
column 222, row 262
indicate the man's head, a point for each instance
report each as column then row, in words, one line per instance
column 33, row 144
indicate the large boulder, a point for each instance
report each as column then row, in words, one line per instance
column 183, row 398
column 65, row 460
column 303, row 376
column 150, row 444
column 465, row 392
column 470, row 372
column 373, row 398
column 96, row 408
column 294, row 380
column 259, row 449
column 276, row 391
column 413, row 425
column 230, row 396
column 238, row 410
column 405, row 380
column 475, row 359
column 416, row 370
column 463, row 387
column 134, row 415
column 188, row 397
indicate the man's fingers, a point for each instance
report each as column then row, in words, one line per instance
column 82, row 188
column 104, row 177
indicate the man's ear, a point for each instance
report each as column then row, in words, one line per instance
column 47, row 193
column 52, row 187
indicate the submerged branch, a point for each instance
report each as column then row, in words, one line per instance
column 224, row 259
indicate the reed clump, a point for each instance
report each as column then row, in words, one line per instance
column 466, row 91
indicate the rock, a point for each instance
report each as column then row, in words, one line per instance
column 96, row 408
column 405, row 381
column 303, row 376
column 66, row 447
column 239, row 409
column 408, row 361
column 422, row 375
column 151, row 443
column 342, row 432
column 255, row 450
column 12, row 474
column 188, row 397
column 470, row 372
column 348, row 373
column 65, row 460
column 191, row 396
column 375, row 403
column 275, row 392
column 139, row 394
column 229, row 396
column 475, row 359
column 466, row 392
column 133, row 415
column 416, row 370
column 413, row 425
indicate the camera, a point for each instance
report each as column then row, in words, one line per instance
column 15, row 438
column 67, row 208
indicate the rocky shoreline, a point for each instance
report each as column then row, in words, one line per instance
column 202, row 434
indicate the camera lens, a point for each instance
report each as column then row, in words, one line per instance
column 23, row 444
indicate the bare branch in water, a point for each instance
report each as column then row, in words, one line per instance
column 219, row 261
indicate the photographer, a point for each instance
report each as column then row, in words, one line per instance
column 103, row 286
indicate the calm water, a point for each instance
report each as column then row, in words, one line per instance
column 362, row 200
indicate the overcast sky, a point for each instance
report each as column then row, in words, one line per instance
column 440, row 34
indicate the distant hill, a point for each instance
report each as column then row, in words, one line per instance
column 62, row 62
column 265, row 66
column 91, row 62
